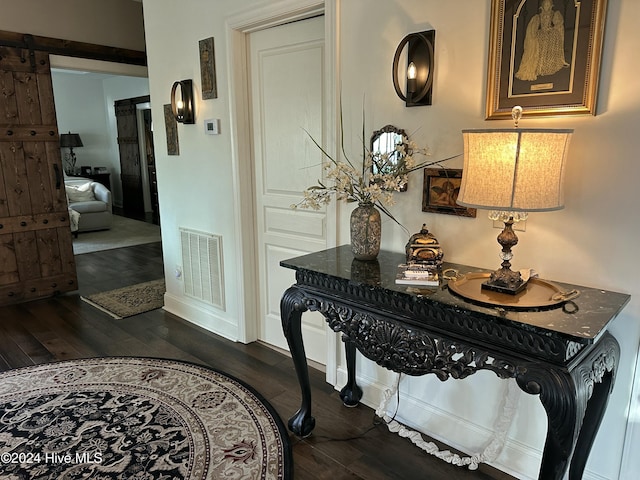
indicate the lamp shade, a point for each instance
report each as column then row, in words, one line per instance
column 71, row 140
column 514, row 169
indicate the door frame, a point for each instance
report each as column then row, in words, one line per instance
column 238, row 27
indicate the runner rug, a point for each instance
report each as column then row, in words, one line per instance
column 125, row 418
column 129, row 301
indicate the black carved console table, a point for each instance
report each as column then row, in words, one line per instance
column 564, row 355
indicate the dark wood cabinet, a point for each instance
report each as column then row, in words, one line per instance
column 130, row 173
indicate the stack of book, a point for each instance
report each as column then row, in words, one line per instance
column 417, row 274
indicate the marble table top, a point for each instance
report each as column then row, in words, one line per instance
column 583, row 321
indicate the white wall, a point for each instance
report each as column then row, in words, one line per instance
column 196, row 187
column 590, row 242
column 80, row 108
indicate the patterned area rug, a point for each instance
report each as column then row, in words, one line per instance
column 127, row 418
column 128, row 301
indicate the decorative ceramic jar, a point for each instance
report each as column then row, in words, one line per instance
column 424, row 248
column 366, row 228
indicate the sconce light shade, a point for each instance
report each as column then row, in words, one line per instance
column 419, row 70
column 183, row 107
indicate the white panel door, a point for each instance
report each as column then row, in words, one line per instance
column 287, row 64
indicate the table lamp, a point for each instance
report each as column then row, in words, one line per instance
column 70, row 141
column 512, row 172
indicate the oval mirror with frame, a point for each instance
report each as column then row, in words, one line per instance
column 386, row 141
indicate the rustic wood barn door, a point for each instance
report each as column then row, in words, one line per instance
column 130, row 168
column 36, row 254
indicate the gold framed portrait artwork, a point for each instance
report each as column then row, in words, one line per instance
column 544, row 55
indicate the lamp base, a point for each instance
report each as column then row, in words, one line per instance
column 505, row 280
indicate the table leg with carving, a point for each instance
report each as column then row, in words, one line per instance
column 291, row 308
column 575, row 403
column 351, row 393
column 597, row 373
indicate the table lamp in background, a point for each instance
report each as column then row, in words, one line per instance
column 70, row 141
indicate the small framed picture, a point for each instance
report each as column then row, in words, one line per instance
column 440, row 192
column 85, row 170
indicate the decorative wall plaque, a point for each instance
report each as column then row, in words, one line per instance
column 171, row 127
column 208, row 69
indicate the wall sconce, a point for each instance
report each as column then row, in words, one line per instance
column 420, row 67
column 183, row 107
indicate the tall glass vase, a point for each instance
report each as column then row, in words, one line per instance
column 366, row 228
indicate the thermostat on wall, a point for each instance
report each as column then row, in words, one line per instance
column 212, row 126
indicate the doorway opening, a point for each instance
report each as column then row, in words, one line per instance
column 85, row 93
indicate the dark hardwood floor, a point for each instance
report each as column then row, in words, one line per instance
column 345, row 444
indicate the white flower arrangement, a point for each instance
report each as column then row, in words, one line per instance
column 374, row 180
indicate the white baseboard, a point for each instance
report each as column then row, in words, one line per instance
column 594, row 476
column 466, row 432
column 201, row 315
